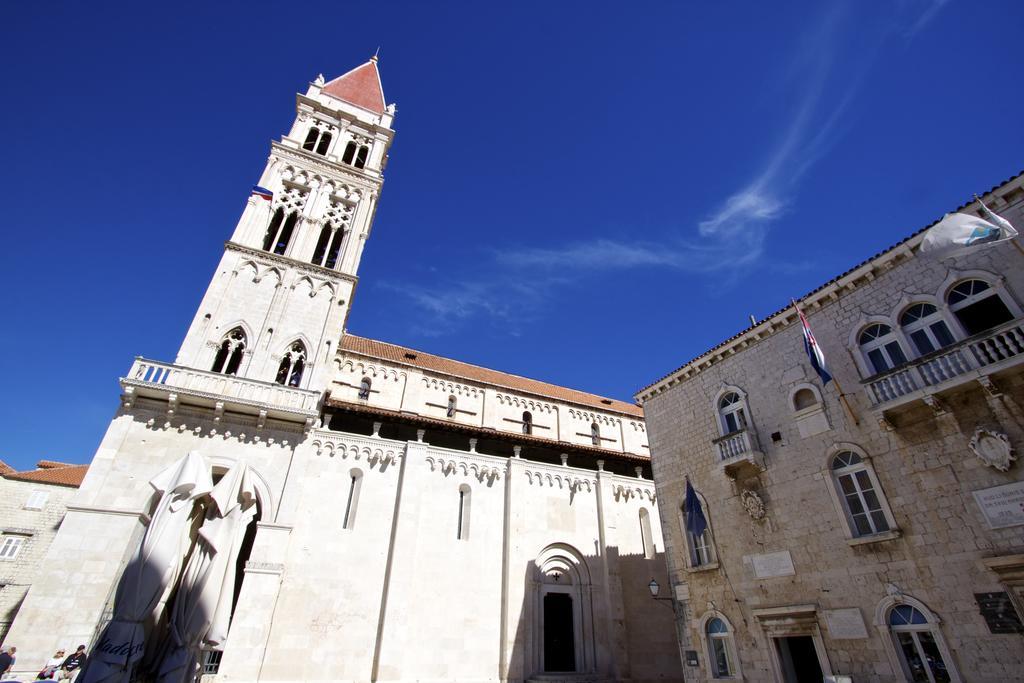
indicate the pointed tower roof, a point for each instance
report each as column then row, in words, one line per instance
column 360, row 86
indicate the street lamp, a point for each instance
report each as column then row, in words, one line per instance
column 655, row 589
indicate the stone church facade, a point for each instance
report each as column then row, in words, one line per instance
column 874, row 541
column 418, row 518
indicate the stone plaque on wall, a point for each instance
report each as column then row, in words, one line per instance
column 772, row 564
column 845, row 624
column 1002, row 506
column 999, row 613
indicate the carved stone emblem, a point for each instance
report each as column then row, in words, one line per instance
column 753, row 504
column 993, row 449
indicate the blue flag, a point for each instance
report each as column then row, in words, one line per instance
column 695, row 520
column 814, row 353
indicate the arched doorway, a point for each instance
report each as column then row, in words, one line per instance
column 563, row 619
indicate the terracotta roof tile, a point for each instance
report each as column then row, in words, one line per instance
column 5, row 468
column 360, row 86
column 50, row 464
column 64, row 475
column 427, row 361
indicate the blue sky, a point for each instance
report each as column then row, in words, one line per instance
column 585, row 193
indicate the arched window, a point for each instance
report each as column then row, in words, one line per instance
column 293, row 363
column 732, row 412
column 804, row 398
column 325, row 142
column 355, row 483
column 328, row 246
column 355, row 155
column 527, row 423
column 645, row 534
column 859, row 495
column 880, row 348
column 450, row 412
column 924, row 326
column 229, row 355
column 595, row 434
column 462, row 532
column 918, row 644
column 364, row 388
column 977, row 306
column 317, row 141
column 279, row 232
column 310, row 143
column 719, row 647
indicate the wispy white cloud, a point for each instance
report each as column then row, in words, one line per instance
column 931, row 8
column 729, row 240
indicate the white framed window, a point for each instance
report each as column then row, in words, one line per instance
column 858, row 494
column 732, row 413
column 880, row 348
column 36, row 500
column 914, row 641
column 977, row 307
column 719, row 646
column 925, row 328
column 595, row 434
column 527, row 423
column 452, row 406
column 10, row 546
column 355, row 155
column 317, row 141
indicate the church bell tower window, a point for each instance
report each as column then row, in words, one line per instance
column 289, row 373
column 229, row 355
column 355, row 155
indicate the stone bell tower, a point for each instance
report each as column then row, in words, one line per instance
column 276, row 307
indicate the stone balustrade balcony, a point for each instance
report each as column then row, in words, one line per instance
column 974, row 359
column 178, row 384
column 739, row 451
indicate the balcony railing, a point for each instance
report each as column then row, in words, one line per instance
column 147, row 376
column 946, row 365
column 739, row 451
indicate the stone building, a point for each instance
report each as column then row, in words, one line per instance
column 417, row 518
column 879, row 540
column 32, row 505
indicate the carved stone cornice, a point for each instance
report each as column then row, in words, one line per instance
column 312, row 162
column 300, row 266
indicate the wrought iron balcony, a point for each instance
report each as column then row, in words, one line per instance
column 972, row 359
column 176, row 383
column 739, row 451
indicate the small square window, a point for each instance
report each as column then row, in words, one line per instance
column 36, row 500
column 10, row 546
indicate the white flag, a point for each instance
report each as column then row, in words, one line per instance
column 960, row 232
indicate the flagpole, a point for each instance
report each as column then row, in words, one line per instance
column 839, row 387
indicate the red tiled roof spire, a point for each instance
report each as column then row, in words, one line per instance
column 360, row 86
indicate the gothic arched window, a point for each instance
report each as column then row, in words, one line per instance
column 355, row 155
column 279, row 232
column 919, row 645
column 317, row 141
column 595, row 434
column 451, row 407
column 289, row 372
column 310, row 144
column 924, row 325
column 229, row 355
column 881, row 349
column 325, row 142
column 328, row 246
column 527, row 423
column 977, row 306
column 364, row 388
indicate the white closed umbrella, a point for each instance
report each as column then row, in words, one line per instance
column 154, row 567
column 202, row 606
